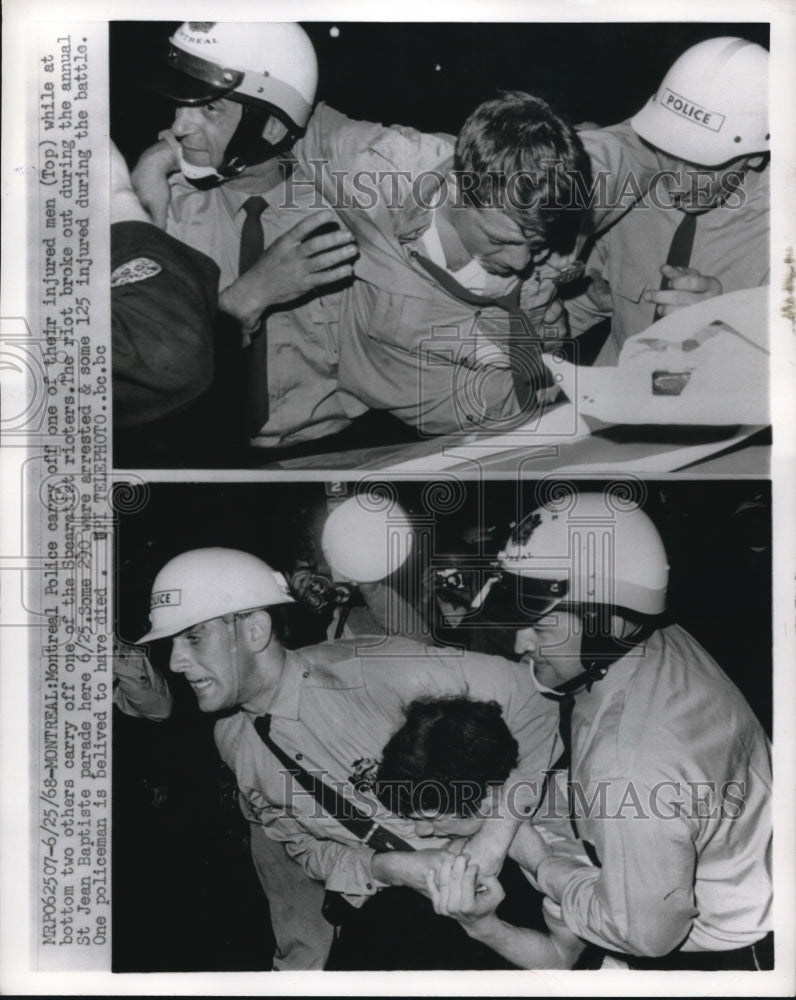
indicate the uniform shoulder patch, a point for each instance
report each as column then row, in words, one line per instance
column 138, row 269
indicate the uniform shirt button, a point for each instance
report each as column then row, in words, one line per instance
column 299, row 756
column 306, row 674
column 368, row 885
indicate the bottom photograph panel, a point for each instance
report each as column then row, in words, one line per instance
column 451, row 725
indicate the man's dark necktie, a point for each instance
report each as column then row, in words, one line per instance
column 564, row 763
column 565, row 709
column 252, row 244
column 564, row 759
column 679, row 251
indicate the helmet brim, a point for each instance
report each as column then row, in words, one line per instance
column 153, row 635
column 183, row 89
column 519, row 601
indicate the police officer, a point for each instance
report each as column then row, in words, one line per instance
column 324, row 710
column 217, row 180
column 702, row 226
column 669, row 770
column 366, row 541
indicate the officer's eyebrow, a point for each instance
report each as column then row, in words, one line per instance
column 198, row 627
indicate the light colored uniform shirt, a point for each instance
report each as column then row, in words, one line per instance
column 673, row 756
column 302, row 339
column 730, row 243
column 334, row 711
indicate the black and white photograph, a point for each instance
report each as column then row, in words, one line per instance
column 444, row 725
column 398, row 492
column 475, row 241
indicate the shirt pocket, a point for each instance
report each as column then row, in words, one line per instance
column 323, row 313
column 395, row 321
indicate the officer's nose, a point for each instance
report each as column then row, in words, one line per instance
column 179, row 661
column 184, row 121
column 525, row 641
column 424, row 828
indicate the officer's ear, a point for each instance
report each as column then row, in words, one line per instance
column 274, row 131
column 258, row 630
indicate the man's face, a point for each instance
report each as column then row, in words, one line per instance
column 446, row 824
column 694, row 189
column 204, row 132
column 493, row 239
column 551, row 648
column 204, row 653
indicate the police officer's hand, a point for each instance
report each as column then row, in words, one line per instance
column 687, row 286
column 150, row 178
column 457, row 891
column 295, row 265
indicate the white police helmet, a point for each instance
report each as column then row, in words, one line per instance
column 366, row 538
column 203, row 584
column 712, row 105
column 589, row 549
column 266, row 63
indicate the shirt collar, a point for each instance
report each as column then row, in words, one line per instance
column 301, row 672
column 620, row 674
column 235, row 200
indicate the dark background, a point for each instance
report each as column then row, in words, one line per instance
column 389, row 72
column 185, row 896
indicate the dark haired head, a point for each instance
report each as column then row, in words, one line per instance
column 445, row 757
column 516, row 154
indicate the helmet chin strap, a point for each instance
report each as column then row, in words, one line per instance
column 246, row 148
column 232, row 632
column 598, row 654
column 203, row 178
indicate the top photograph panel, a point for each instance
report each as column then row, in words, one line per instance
column 501, row 248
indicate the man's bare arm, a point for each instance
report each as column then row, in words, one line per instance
column 407, row 868
column 459, row 892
